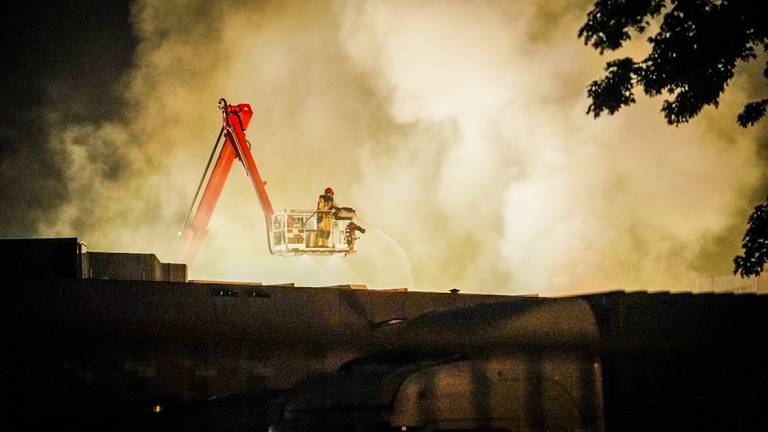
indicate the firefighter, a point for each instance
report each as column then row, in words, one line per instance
column 325, row 204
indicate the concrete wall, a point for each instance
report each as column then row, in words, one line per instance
column 732, row 284
column 140, row 267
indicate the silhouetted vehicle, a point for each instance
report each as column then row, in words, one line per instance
column 614, row 362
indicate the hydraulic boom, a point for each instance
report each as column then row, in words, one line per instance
column 235, row 119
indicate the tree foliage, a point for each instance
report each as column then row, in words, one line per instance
column 693, row 54
column 754, row 243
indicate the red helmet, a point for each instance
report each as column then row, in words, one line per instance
column 328, row 191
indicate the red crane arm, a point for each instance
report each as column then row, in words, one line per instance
column 236, row 119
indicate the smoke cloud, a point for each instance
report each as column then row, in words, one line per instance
column 456, row 129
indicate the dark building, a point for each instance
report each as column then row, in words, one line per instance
column 123, row 341
column 68, row 258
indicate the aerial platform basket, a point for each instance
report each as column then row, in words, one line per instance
column 295, row 232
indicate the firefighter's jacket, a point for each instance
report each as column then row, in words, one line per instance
column 325, row 202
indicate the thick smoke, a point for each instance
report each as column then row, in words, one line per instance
column 456, row 129
column 46, row 63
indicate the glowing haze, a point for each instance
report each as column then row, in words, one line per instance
column 456, row 129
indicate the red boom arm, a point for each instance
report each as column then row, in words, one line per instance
column 235, row 121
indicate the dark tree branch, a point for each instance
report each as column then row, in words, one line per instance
column 752, row 113
column 609, row 21
column 754, row 243
column 615, row 89
column 693, row 55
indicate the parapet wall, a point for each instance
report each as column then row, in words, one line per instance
column 67, row 258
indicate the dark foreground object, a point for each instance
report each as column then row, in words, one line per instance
column 166, row 354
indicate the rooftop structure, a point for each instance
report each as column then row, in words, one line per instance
column 123, row 341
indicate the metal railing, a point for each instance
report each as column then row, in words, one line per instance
column 296, row 232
